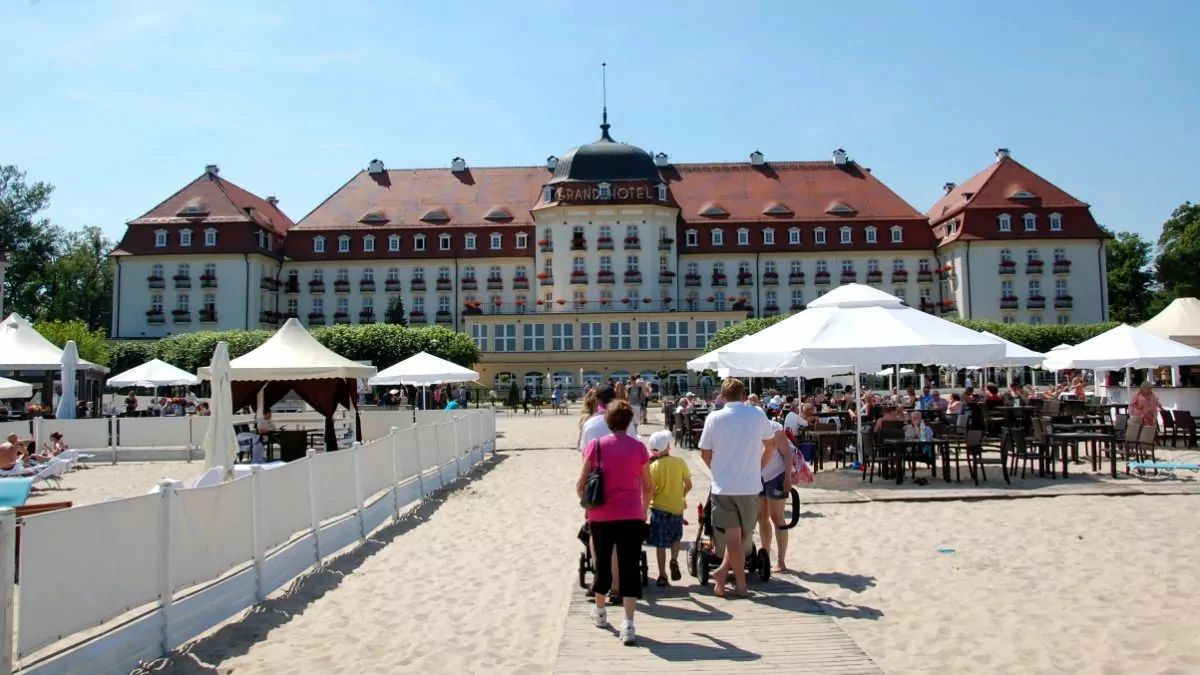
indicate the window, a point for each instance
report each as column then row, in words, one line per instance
column 797, row 299
column 631, row 263
column 663, row 263
column 605, row 191
column 469, row 242
column 819, row 235
column 393, row 242
column 343, row 275
column 479, row 333
column 634, row 298
column 1060, row 255
column 343, row 244
column 631, row 231
column 648, row 335
column 182, row 302
column 504, row 337
column 1063, row 319
column 185, row 237
column 923, row 264
column 900, row 293
column 393, row 274
column 926, row 294
column 704, row 332
column 822, row 267
column 690, row 238
column 493, row 272
column 719, row 303
column 576, row 232
column 1031, row 255
column 564, row 337
column 872, row 235
column 443, row 274
column 897, row 234
column 468, row 272
column 368, row 274
column 1009, row 319
column 743, row 237
column 897, row 265
column 160, row 238
column 318, row 306
column 1055, row 222
column 1004, row 222
column 847, row 236
column 444, row 242
column 1005, row 255
column 769, row 267
column 743, row 267
column 419, row 242
column 156, row 303
column 1035, row 288
column 535, row 337
column 497, row 241
column 618, row 336
column 156, row 271
column 1030, row 222
column 606, row 264
column 718, row 268
column 547, row 194
column 677, row 335
column 578, row 264
column 1060, row 289
column 796, row 267
column 210, row 271
column 418, row 304
column 184, row 271
column 1035, row 320
column 718, row 238
column 772, row 299
column 368, row 304
column 1006, row 289
column 369, row 243
column 662, row 192
column 769, row 237
column 693, row 268
column 522, row 240
column 794, row 235
column 847, row 267
column 318, row 244
column 318, row 275
column 591, row 336
column 418, row 274
column 872, row 267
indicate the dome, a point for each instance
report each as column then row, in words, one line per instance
column 605, row 161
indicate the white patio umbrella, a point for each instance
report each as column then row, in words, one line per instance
column 220, row 442
column 153, row 373
column 1123, row 347
column 13, row 389
column 423, row 369
column 66, row 402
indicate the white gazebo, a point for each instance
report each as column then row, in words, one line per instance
column 422, row 370
column 153, row 373
column 13, row 389
column 1180, row 321
column 1123, row 347
column 23, row 348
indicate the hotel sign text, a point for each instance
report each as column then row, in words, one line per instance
column 592, row 194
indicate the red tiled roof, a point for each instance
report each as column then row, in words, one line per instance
column 993, row 188
column 218, row 201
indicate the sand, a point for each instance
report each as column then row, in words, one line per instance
column 102, row 481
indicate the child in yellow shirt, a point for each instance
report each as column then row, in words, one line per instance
column 672, row 481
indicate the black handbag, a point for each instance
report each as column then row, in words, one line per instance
column 593, row 485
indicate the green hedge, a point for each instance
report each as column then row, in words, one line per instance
column 1038, row 338
column 381, row 344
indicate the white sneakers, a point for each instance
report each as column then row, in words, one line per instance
column 599, row 617
column 628, row 636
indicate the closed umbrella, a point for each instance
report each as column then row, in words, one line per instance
column 70, row 362
column 220, row 443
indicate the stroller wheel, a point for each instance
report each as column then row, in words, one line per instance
column 764, row 565
column 583, row 570
column 702, row 564
column 693, row 554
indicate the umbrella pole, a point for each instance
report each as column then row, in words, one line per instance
column 858, row 408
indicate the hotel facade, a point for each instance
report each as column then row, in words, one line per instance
column 607, row 261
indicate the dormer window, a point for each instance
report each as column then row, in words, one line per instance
column 343, row 244
column 419, row 242
column 393, row 242
column 498, row 216
column 819, row 235
column 662, row 192
column 194, row 208
column 1055, row 222
column 551, row 162
column 605, row 191
column 1004, row 222
column 840, row 209
column 743, row 237
column 185, row 237
column 1022, row 194
column 872, row 235
column 691, row 238
column 444, row 242
column 757, row 159
column 318, row 244
column 1030, row 222
column 768, row 236
column 373, row 218
column 547, row 194
column 436, row 217
column 160, row 238
column 458, row 165
column 793, row 236
column 496, row 241
column 897, row 234
column 847, row 236
column 714, row 211
column 369, row 243
column 522, row 240
column 777, row 210
column 718, row 237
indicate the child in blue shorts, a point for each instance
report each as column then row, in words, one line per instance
column 672, row 482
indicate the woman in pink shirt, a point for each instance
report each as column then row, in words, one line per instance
column 620, row 522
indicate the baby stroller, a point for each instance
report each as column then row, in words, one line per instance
column 585, row 559
column 708, row 550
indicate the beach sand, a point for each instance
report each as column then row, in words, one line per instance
column 102, row 481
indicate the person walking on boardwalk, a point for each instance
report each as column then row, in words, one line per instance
column 731, row 445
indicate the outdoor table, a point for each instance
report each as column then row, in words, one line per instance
column 840, row 435
column 1094, row 437
column 939, row 444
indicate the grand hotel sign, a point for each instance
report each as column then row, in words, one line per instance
column 593, row 193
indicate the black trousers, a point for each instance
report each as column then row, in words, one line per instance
column 626, row 536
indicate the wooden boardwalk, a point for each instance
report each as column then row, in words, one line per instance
column 684, row 628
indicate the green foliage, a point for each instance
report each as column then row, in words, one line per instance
column 126, row 354
column 90, row 343
column 741, row 330
column 395, row 312
column 514, row 395
column 1178, row 263
column 1130, row 281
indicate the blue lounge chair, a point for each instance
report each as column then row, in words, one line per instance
column 1188, row 462
column 15, row 491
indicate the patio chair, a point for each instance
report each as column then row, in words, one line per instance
column 53, row 473
column 1185, row 424
column 1045, row 445
column 973, row 447
column 1168, row 428
column 211, row 477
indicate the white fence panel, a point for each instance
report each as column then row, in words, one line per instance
column 82, row 434
column 427, row 446
column 83, row 566
column 463, row 426
column 154, row 432
column 19, row 428
column 375, row 466
column 210, row 532
column 407, row 465
column 379, row 423
column 446, row 448
column 199, row 428
column 335, row 483
column 284, row 499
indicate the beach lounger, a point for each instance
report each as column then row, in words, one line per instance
column 15, row 491
column 1188, row 462
column 53, row 472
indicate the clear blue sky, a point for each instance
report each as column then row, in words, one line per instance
column 120, row 103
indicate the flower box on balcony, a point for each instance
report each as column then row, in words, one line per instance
column 1062, row 266
column 366, row 316
column 417, row 285
column 154, row 316
column 924, row 276
column 316, row 287
column 393, row 286
column 182, row 281
column 666, row 278
column 341, row 286
column 797, row 307
column 579, row 277
column 521, row 283
column 268, row 284
column 469, row 284
column 1034, row 266
column 578, row 244
column 633, row 243
column 874, row 277
column 545, row 281
column 444, row 317
column 416, row 317
column 719, row 280
column 745, row 280
column 543, row 275
column 543, row 242
column 208, row 317
column 770, row 278
column 606, row 278
column 899, row 277
column 632, row 277
column 604, row 243
column 185, row 317
column 1035, row 302
column 495, row 285
column 316, row 315
column 366, row 286
column 445, row 285
column 315, row 319
column 796, row 279
column 1064, row 302
column 821, row 279
column 692, row 280
column 341, row 318
column 1010, row 302
column 546, row 247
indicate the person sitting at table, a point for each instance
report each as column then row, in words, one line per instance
column 890, row 414
column 264, row 428
column 968, row 395
column 956, row 404
column 916, row 429
column 936, row 402
column 1014, row 395
column 993, row 395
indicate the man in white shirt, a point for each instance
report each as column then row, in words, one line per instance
column 731, row 445
column 794, row 421
column 595, row 427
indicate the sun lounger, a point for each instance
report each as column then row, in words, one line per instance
column 1190, row 462
column 211, row 477
column 15, row 491
column 53, row 472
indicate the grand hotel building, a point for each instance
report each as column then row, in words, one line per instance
column 605, row 261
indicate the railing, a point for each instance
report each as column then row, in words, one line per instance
column 445, row 285
column 495, row 285
column 924, row 277
column 665, row 244
column 770, row 279
column 821, row 279
column 579, row 278
column 417, row 286
column 181, row 317
column 745, row 280
column 874, row 277
column 604, row 244
column 692, row 282
column 156, row 318
column 163, row 568
column 393, row 286
column 316, row 319
column 899, row 277
column 1035, row 303
column 796, row 279
column 341, row 318
column 209, row 282
column 366, row 286
column 606, row 278
column 316, row 287
column 1064, row 302
column 597, row 307
column 156, row 282
column 208, row 317
column 291, row 287
column 417, row 318
column 1034, row 268
column 341, row 287
column 720, row 282
column 521, row 284
column 1007, row 269
column 182, row 282
column 467, row 285
column 1062, row 267
column 633, row 244
column 1009, row 303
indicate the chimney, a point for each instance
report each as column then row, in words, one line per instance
column 948, row 188
column 839, row 157
column 458, row 165
column 212, row 169
column 551, row 162
column 757, row 159
column 375, row 167
column 1002, row 154
column 273, row 200
column 662, row 160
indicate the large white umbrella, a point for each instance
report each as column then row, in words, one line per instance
column 13, row 389
column 1015, row 354
column 153, row 373
column 220, row 442
column 422, row 370
column 1123, row 347
column 70, row 362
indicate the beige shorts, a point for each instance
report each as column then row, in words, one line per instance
column 734, row 511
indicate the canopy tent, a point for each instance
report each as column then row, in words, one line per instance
column 66, row 402
column 13, row 389
column 220, row 442
column 1180, row 321
column 711, row 361
column 887, row 372
column 23, row 348
column 1123, row 347
column 424, row 369
column 153, row 373
column 1015, row 355
column 292, row 360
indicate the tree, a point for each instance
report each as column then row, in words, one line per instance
column 1130, row 279
column 514, row 395
column 1178, row 265
column 78, row 283
column 29, row 242
column 90, row 343
column 395, row 312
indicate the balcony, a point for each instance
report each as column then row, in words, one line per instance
column 797, row 307
column 1064, row 302
column 182, row 281
column 417, row 285
column 945, row 273
column 665, row 244
column 745, row 280
column 947, row 307
column 341, row 318
column 393, row 286
column 924, row 277
column 633, row 244
column 269, row 318
column 444, row 317
column 770, row 279
column 445, row 285
column 469, row 284
column 875, row 278
column 316, row 318
column 692, row 281
column 155, row 316
column 316, row 287
column 208, row 281
column 269, row 284
column 927, row 306
column 208, row 316
column 1034, row 267
column 770, row 310
column 155, row 282
column 604, row 243
column 719, row 281
column 579, row 244
column 1062, row 266
column 1007, row 267
column 849, row 277
column 545, row 279
column 633, row 277
column 606, row 278
column 822, row 279
column 416, row 317
column 521, row 283
column 796, row 279
column 366, row 316
column 341, row 286
column 1010, row 302
column 666, row 278
column 546, row 246
column 495, row 284
column 181, row 316
column 291, row 287
column 579, row 278
column 366, row 286
column 899, row 277
column 1035, row 302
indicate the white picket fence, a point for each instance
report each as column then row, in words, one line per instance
column 154, row 571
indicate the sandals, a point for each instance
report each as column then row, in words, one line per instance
column 675, row 574
column 662, row 581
